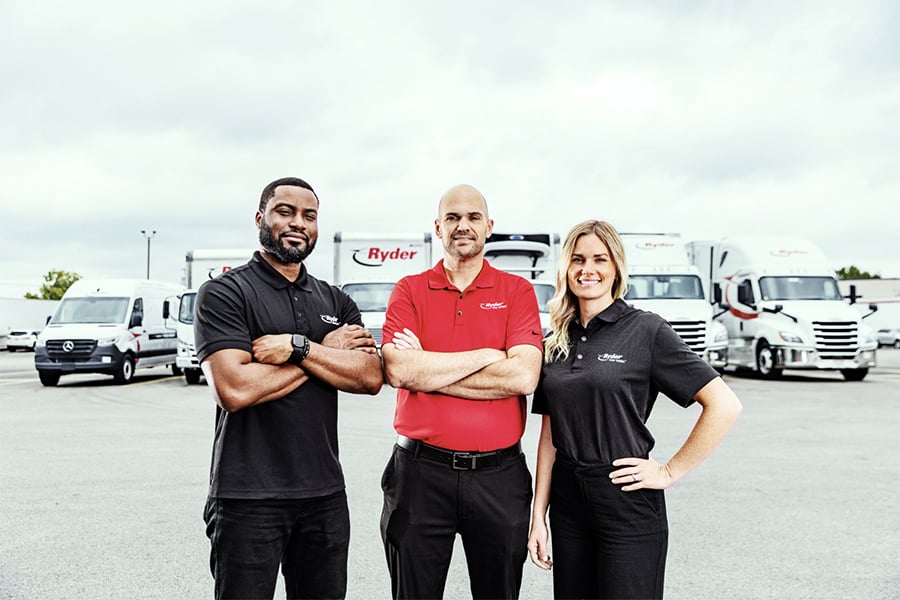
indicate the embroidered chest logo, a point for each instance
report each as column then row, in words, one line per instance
column 616, row 358
column 330, row 319
column 493, row 305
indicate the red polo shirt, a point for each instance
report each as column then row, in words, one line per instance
column 498, row 310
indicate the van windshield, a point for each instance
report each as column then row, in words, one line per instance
column 651, row 287
column 186, row 308
column 369, row 297
column 799, row 288
column 91, row 310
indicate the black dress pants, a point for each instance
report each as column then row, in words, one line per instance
column 427, row 503
column 606, row 543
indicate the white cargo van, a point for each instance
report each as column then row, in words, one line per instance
column 368, row 265
column 662, row 280
column 779, row 301
column 111, row 326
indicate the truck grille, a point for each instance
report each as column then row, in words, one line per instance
column 836, row 340
column 693, row 333
column 376, row 333
column 80, row 349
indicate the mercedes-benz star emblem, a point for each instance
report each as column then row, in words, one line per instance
column 68, row 345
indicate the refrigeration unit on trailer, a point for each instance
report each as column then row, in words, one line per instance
column 111, row 326
column 368, row 265
column 662, row 280
column 779, row 301
column 534, row 256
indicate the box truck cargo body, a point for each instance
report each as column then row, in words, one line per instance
column 368, row 265
column 662, row 280
column 779, row 301
column 110, row 326
column 200, row 265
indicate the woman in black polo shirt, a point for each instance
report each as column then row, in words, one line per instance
column 604, row 364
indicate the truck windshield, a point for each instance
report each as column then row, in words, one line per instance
column 651, row 287
column 799, row 288
column 91, row 310
column 186, row 308
column 369, row 297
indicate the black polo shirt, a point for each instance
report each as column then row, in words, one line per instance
column 600, row 397
column 285, row 448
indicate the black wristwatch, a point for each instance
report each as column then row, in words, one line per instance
column 301, row 349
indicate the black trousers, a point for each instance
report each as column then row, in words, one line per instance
column 427, row 503
column 249, row 539
column 606, row 543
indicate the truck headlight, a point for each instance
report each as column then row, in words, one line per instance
column 790, row 337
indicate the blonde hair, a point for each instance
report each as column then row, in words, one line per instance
column 564, row 304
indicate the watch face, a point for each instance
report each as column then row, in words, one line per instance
column 299, row 340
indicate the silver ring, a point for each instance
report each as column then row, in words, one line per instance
column 634, row 477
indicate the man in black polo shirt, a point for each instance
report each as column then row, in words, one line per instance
column 276, row 344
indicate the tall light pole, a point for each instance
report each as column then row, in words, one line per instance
column 149, row 236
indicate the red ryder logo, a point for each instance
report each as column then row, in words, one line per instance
column 787, row 253
column 652, row 245
column 376, row 257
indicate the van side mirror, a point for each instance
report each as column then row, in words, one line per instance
column 717, row 294
column 166, row 309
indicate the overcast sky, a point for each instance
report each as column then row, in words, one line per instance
column 704, row 118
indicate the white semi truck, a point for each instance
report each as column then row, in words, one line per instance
column 534, row 256
column 662, row 280
column 111, row 326
column 368, row 265
column 200, row 265
column 779, row 301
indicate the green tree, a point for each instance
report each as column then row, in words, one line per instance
column 56, row 284
column 852, row 272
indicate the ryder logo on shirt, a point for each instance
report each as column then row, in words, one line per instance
column 330, row 319
column 617, row 358
column 493, row 305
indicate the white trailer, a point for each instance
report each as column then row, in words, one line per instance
column 368, row 265
column 662, row 280
column 200, row 265
column 110, row 326
column 779, row 301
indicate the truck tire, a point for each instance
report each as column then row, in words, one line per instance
column 765, row 361
column 854, row 374
column 49, row 378
column 192, row 376
column 125, row 373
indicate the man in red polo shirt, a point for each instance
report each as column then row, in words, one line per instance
column 463, row 348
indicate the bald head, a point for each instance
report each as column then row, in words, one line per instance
column 465, row 193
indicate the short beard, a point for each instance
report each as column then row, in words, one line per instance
column 286, row 255
column 472, row 252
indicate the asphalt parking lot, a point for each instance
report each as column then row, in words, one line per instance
column 102, row 488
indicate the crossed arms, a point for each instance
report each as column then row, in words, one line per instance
column 346, row 359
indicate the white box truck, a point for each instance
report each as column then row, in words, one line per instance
column 779, row 301
column 200, row 265
column 110, row 326
column 368, row 265
column 534, row 256
column 662, row 280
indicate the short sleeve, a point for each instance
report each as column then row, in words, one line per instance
column 677, row 371
column 219, row 319
column 539, row 400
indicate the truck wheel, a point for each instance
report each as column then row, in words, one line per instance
column 125, row 372
column 854, row 374
column 192, row 376
column 765, row 361
column 896, row 343
column 49, row 378
column 9, row 349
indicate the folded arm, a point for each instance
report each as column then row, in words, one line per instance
column 515, row 375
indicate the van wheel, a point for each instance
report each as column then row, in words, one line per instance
column 192, row 376
column 49, row 378
column 896, row 343
column 125, row 372
column 765, row 361
column 854, row 374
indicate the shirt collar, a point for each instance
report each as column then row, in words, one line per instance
column 276, row 280
column 611, row 314
column 437, row 278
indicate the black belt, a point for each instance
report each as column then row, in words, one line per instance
column 461, row 461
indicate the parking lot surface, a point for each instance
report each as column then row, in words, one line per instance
column 102, row 488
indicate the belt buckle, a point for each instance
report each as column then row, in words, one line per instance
column 458, row 456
